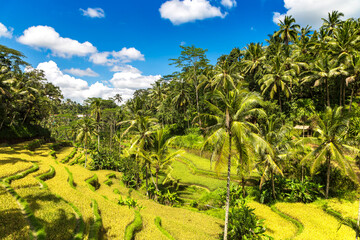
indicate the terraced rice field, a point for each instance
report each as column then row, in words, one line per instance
column 50, row 211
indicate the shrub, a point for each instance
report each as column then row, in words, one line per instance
column 291, row 190
column 130, row 202
column 31, row 146
column 93, row 183
column 243, row 224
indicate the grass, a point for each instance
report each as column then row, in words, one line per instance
column 93, row 183
column 157, row 221
column 70, row 178
column 10, row 213
column 346, row 208
column 23, row 174
column 134, row 226
column 299, row 226
column 182, row 172
column 38, row 230
column 96, row 226
column 317, row 224
column 45, row 176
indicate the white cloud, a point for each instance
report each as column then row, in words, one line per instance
column 125, row 68
column 133, row 80
column 93, row 12
column 124, row 83
column 310, row 12
column 46, row 37
column 80, row 73
column 5, row 32
column 178, row 11
column 125, row 55
column 228, row 3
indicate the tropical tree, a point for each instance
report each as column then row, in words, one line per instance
column 331, row 143
column 95, row 106
column 288, row 30
column 332, row 21
column 231, row 112
column 86, row 130
column 160, row 157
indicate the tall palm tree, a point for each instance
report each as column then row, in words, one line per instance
column 353, row 71
column 86, row 129
column 278, row 78
column 321, row 71
column 330, row 138
column 231, row 112
column 95, row 105
column 159, row 157
column 288, row 30
column 332, row 21
column 276, row 134
column 118, row 98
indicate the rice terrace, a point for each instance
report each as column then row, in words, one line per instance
column 252, row 134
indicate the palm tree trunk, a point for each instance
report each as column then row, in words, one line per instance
column 243, row 186
column 279, row 97
column 327, row 176
column 358, row 221
column 197, row 104
column 327, row 93
column 273, row 184
column 146, row 179
column 228, row 189
column 352, row 96
column 341, row 93
column 85, row 155
column 157, row 177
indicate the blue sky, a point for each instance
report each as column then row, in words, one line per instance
column 99, row 48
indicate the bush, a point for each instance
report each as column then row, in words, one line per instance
column 93, row 183
column 31, row 146
column 15, row 134
column 291, row 190
column 243, row 224
column 58, row 145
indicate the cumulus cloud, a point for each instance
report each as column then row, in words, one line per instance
column 133, row 80
column 5, row 32
column 228, row 3
column 80, row 72
column 93, row 12
column 125, row 55
column 310, row 12
column 47, row 38
column 178, row 11
column 124, row 82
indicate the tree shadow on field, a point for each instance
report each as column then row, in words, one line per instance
column 59, row 223
column 12, row 160
column 11, row 221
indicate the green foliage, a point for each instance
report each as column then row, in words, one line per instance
column 291, row 190
column 70, row 178
column 23, row 174
column 58, row 145
column 96, row 226
column 130, row 202
column 192, row 140
column 16, row 133
column 45, row 176
column 70, row 156
column 93, row 183
column 105, row 160
column 235, row 195
column 53, row 154
column 157, row 221
column 31, row 146
column 243, row 224
column 135, row 226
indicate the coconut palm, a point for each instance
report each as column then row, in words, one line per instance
column 278, row 78
column 331, row 143
column 321, row 71
column 159, row 157
column 231, row 112
column 86, row 130
column 332, row 21
column 288, row 30
column 95, row 105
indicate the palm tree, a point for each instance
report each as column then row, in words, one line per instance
column 324, row 69
column 276, row 135
column 118, row 98
column 278, row 78
column 159, row 157
column 330, row 138
column 288, row 30
column 332, row 21
column 353, row 71
column 231, row 112
column 95, row 105
column 86, row 129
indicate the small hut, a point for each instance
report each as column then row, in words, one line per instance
column 305, row 129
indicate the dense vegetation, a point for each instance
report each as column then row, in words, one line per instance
column 278, row 123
